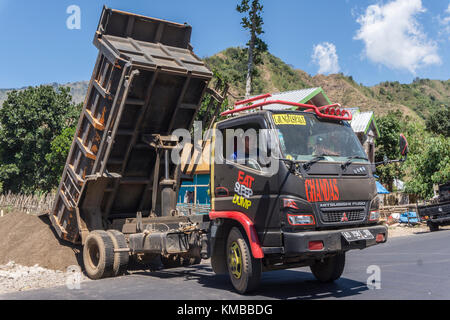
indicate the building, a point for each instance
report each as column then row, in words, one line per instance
column 365, row 127
column 194, row 195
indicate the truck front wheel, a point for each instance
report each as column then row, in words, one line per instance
column 243, row 268
column 329, row 269
column 433, row 227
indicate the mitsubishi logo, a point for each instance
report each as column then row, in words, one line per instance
column 344, row 218
column 290, row 204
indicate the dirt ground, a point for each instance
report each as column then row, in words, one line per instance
column 403, row 230
column 15, row 277
column 29, row 240
column 32, row 256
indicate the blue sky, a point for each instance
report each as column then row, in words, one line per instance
column 373, row 41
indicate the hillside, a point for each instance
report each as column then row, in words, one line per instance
column 77, row 89
column 416, row 99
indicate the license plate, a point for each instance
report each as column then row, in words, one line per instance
column 356, row 235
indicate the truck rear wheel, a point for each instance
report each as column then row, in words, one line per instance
column 98, row 255
column 330, row 269
column 243, row 268
column 121, row 258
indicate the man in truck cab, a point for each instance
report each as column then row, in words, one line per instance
column 321, row 148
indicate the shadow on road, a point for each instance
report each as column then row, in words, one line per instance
column 284, row 284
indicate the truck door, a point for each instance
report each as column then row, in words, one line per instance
column 240, row 182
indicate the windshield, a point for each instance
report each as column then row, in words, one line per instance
column 304, row 137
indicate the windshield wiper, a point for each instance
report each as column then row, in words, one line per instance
column 350, row 160
column 307, row 165
column 292, row 163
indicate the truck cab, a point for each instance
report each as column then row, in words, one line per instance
column 289, row 189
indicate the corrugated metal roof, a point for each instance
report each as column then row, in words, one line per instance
column 361, row 121
column 291, row 96
column 353, row 111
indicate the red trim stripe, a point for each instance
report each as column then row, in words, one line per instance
column 248, row 226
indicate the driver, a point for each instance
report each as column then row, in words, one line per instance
column 321, row 147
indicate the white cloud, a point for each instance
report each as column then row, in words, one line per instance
column 393, row 37
column 445, row 22
column 324, row 55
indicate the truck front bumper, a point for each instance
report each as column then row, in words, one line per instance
column 441, row 220
column 333, row 241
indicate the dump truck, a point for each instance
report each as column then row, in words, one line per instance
column 304, row 196
column 438, row 212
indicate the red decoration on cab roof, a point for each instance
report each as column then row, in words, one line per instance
column 327, row 112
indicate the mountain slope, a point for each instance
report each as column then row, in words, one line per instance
column 343, row 90
column 416, row 99
column 77, row 89
column 273, row 75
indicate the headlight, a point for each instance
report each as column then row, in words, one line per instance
column 301, row 220
column 374, row 215
column 374, row 210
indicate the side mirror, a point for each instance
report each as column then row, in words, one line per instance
column 403, row 144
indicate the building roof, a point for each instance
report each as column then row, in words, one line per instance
column 363, row 121
column 315, row 96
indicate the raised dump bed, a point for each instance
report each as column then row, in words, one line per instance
column 146, row 83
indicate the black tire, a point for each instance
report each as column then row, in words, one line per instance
column 98, row 255
column 433, row 227
column 330, row 269
column 244, row 270
column 122, row 258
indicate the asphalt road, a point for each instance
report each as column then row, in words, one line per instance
column 413, row 267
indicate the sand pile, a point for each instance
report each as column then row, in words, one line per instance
column 30, row 240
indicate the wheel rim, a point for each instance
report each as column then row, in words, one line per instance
column 94, row 255
column 235, row 260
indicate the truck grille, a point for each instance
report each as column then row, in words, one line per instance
column 336, row 216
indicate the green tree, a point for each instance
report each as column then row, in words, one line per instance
column 253, row 22
column 56, row 159
column 428, row 160
column 439, row 121
column 207, row 110
column 429, row 166
column 30, row 120
column 390, row 127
